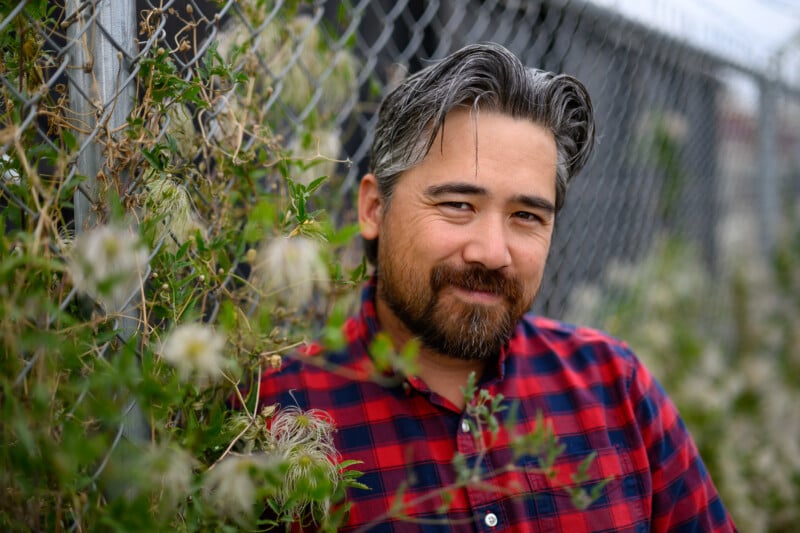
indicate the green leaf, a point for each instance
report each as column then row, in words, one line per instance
column 409, row 355
column 359, row 273
column 316, row 184
column 347, row 463
column 581, row 475
column 227, row 317
column 344, row 235
column 447, row 501
column 382, row 351
column 152, row 157
column 470, row 389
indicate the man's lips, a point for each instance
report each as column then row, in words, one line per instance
column 477, row 296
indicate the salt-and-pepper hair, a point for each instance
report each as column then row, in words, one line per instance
column 485, row 77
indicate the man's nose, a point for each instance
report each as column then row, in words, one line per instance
column 488, row 244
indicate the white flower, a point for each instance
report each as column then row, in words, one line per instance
column 291, row 268
column 292, row 426
column 108, row 263
column 195, row 350
column 307, row 466
column 304, row 440
column 231, row 488
column 169, row 205
column 171, row 472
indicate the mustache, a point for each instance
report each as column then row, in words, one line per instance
column 476, row 278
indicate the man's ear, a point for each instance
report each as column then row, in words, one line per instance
column 370, row 207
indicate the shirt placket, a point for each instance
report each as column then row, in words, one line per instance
column 487, row 511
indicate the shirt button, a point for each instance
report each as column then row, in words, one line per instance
column 465, row 426
column 490, row 519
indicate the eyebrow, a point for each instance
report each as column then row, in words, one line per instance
column 533, row 202
column 456, row 188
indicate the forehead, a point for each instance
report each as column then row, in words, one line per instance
column 491, row 148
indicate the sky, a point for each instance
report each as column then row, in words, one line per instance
column 750, row 33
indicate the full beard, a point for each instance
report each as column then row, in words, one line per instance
column 447, row 325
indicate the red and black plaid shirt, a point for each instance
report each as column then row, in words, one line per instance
column 590, row 387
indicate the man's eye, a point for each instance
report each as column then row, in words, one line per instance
column 528, row 217
column 460, row 206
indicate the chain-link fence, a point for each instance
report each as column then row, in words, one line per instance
column 677, row 151
column 691, row 144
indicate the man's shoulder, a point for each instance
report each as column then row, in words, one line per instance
column 540, row 335
column 560, row 330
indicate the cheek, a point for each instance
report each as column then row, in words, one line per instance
column 531, row 251
column 530, row 260
column 431, row 240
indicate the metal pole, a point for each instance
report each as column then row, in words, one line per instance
column 767, row 178
column 102, row 35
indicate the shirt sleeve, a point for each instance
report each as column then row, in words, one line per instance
column 684, row 496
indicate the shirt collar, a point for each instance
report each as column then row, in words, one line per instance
column 368, row 315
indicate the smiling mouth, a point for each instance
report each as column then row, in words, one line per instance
column 477, row 296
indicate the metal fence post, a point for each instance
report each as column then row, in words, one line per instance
column 103, row 37
column 767, row 178
column 102, row 92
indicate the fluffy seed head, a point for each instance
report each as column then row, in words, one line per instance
column 196, row 351
column 108, row 263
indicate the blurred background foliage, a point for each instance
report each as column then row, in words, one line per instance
column 727, row 350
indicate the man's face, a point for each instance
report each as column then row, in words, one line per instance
column 463, row 242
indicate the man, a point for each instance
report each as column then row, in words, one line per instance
column 469, row 168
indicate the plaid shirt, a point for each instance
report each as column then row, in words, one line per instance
column 592, row 390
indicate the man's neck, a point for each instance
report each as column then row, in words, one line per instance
column 447, row 376
column 442, row 374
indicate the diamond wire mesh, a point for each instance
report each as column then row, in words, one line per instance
column 637, row 78
column 676, row 153
column 640, row 80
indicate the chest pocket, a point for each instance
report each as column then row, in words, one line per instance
column 620, row 505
